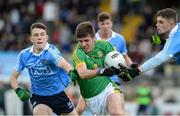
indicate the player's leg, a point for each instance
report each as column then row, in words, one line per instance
column 81, row 105
column 115, row 103
column 42, row 109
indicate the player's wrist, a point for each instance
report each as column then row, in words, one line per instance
column 98, row 73
column 17, row 89
column 140, row 69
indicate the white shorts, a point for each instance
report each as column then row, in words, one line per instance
column 98, row 104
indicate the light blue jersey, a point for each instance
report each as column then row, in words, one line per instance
column 46, row 77
column 170, row 49
column 119, row 43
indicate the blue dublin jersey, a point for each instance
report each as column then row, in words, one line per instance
column 172, row 45
column 119, row 43
column 46, row 77
column 170, row 49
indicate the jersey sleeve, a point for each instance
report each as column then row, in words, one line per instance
column 20, row 65
column 155, row 61
column 78, row 57
column 56, row 55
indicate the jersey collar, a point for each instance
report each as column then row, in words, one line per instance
column 112, row 36
column 46, row 47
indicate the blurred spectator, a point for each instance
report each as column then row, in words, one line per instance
column 171, row 99
column 144, row 98
column 50, row 12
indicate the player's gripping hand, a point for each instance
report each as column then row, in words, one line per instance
column 23, row 94
column 105, row 72
column 127, row 74
column 73, row 75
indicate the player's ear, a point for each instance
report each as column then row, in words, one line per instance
column 47, row 37
column 172, row 23
column 31, row 39
column 111, row 24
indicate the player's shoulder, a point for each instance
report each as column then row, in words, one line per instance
column 117, row 35
column 51, row 46
column 78, row 50
column 26, row 50
column 176, row 29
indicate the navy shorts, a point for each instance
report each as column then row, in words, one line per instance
column 59, row 103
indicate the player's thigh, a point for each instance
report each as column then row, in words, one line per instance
column 42, row 109
column 115, row 103
column 81, row 106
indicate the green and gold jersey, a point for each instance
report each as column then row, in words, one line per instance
column 93, row 60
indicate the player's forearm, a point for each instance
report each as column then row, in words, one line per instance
column 65, row 65
column 14, row 83
column 13, row 80
column 86, row 74
column 128, row 60
column 154, row 62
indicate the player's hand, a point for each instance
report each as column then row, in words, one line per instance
column 73, row 75
column 127, row 74
column 23, row 94
column 134, row 65
column 155, row 39
column 105, row 72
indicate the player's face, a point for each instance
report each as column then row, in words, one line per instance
column 105, row 26
column 39, row 38
column 164, row 25
column 87, row 43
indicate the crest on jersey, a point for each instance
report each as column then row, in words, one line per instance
column 45, row 62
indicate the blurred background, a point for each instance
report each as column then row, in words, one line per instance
column 158, row 89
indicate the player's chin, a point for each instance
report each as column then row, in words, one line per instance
column 40, row 46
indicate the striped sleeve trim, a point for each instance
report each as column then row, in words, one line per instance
column 76, row 60
column 55, row 54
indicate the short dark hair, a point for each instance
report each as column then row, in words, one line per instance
column 168, row 13
column 85, row 28
column 103, row 16
column 38, row 25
